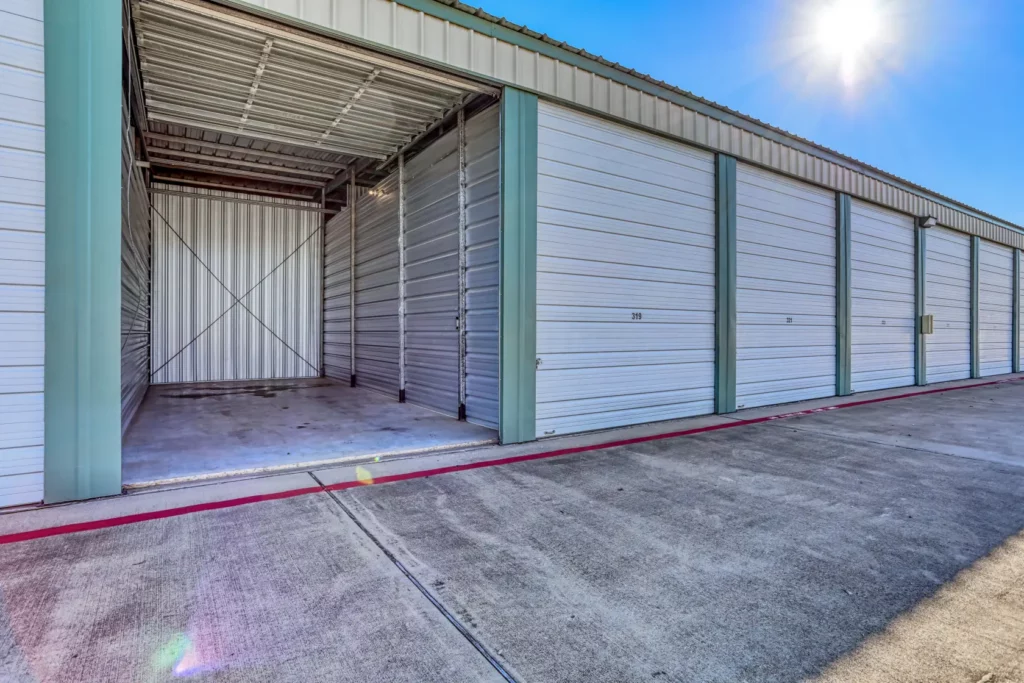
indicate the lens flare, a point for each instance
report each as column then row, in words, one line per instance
column 363, row 475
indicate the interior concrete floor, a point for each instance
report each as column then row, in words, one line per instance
column 187, row 431
column 812, row 546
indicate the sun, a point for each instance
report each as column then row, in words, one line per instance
column 849, row 32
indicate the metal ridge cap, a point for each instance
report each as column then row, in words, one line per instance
column 880, row 173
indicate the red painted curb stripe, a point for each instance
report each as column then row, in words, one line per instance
column 147, row 516
column 235, row 502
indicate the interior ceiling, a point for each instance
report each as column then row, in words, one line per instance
column 259, row 103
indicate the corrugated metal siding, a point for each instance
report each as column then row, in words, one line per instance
column 432, row 276
column 785, row 290
column 625, row 230
column 405, row 29
column 267, row 256
column 136, row 236
column 883, row 293
column 483, row 223
column 995, row 308
column 948, row 290
column 22, row 252
column 377, row 287
column 337, row 285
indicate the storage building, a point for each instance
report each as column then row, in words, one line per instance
column 240, row 236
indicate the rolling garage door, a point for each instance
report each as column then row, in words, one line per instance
column 22, row 252
column 995, row 308
column 948, row 292
column 785, row 290
column 625, row 276
column 883, row 298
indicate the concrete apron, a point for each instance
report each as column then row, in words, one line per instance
column 768, row 553
column 192, row 494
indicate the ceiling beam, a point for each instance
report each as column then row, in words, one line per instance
column 230, row 188
column 341, row 179
column 271, row 168
column 351, row 102
column 280, row 156
column 220, row 170
column 260, row 68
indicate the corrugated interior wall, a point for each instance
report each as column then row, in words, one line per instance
column 785, row 290
column 483, row 224
column 948, row 293
column 432, row 276
column 995, row 308
column 136, row 235
column 337, row 286
column 22, row 251
column 377, row 287
column 883, row 284
column 625, row 276
column 237, row 284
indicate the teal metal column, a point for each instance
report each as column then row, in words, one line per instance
column 844, row 296
column 975, row 308
column 725, row 284
column 518, row 325
column 921, row 302
column 82, row 404
column 1016, row 309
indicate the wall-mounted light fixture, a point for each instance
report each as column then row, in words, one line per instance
column 927, row 221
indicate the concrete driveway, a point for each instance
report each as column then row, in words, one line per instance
column 873, row 543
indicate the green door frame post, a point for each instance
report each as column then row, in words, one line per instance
column 975, row 307
column 1016, row 309
column 82, row 385
column 725, row 284
column 921, row 303
column 844, row 296
column 518, row 302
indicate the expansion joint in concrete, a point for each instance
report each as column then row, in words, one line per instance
column 452, row 619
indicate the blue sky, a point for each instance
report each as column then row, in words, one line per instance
column 944, row 106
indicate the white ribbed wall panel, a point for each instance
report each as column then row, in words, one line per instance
column 883, row 267
column 267, row 256
column 785, row 290
column 432, row 276
column 625, row 276
column 948, row 293
column 483, row 223
column 377, row 287
column 337, row 285
column 995, row 309
column 22, row 250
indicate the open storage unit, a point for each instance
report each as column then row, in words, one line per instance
column 276, row 182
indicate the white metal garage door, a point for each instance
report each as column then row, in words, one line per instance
column 948, row 292
column 785, row 290
column 625, row 276
column 883, row 293
column 22, row 171
column 995, row 308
